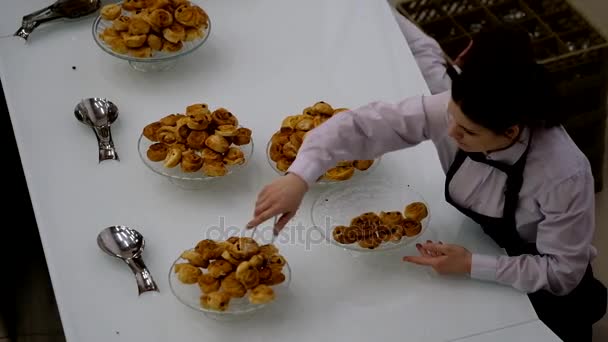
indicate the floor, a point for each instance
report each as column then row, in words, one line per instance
column 42, row 323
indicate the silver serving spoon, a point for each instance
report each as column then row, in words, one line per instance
column 99, row 114
column 128, row 244
column 69, row 9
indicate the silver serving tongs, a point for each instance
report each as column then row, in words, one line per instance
column 70, row 9
column 274, row 232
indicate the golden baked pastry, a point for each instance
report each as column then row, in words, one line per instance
column 265, row 274
column 371, row 242
column 319, row 119
column 134, row 41
column 248, row 275
column 244, row 248
column 323, row 108
column 383, row 232
column 210, row 155
column 217, row 143
column 305, row 123
column 196, row 140
column 219, row 268
column 198, row 109
column 177, row 3
column 416, row 211
column 397, row 231
column 193, row 34
column 209, row 249
column 226, row 130
column 195, row 259
column 234, row 156
column 198, row 121
column 167, row 135
column 141, row 52
column 192, row 16
column 151, row 129
column 228, row 257
column 283, row 164
column 391, row 217
column 214, row 168
column 110, row 11
column 191, row 161
column 289, row 151
column 119, row 46
column 275, row 152
column 175, row 33
column 258, row 260
column 171, row 47
column 182, row 130
column 215, row 301
column 340, row 173
column 187, row 274
column 208, row 284
column 363, row 165
column 411, row 227
column 109, row 34
column 242, row 137
column 174, row 156
column 160, row 18
column 261, row 294
column 170, row 120
column 138, row 26
column 268, row 250
column 232, row 286
column 280, row 138
column 276, row 260
column 132, row 5
column 222, row 116
column 276, row 277
column 121, row 23
column 155, row 42
column 345, row 234
column 157, row 152
column 155, row 4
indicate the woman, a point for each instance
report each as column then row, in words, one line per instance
column 509, row 164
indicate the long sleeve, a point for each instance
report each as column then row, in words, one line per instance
column 564, row 238
column 427, row 53
column 370, row 131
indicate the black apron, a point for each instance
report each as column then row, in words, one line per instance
column 570, row 316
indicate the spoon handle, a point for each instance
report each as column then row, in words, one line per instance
column 105, row 143
column 143, row 277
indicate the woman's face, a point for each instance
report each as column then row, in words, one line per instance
column 471, row 137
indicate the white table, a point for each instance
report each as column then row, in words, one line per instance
column 530, row 331
column 264, row 60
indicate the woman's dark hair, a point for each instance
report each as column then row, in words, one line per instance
column 501, row 84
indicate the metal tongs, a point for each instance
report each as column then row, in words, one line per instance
column 274, row 232
column 70, row 9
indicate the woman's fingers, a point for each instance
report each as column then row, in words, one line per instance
column 262, row 217
column 283, row 221
column 263, row 206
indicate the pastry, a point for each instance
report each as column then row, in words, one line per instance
column 196, row 140
column 280, row 138
column 318, row 120
column 157, row 152
column 242, row 137
column 151, row 129
column 208, row 284
column 275, row 152
column 244, row 248
column 305, row 123
column 339, row 110
column 228, row 257
column 323, row 108
column 234, row 156
column 202, row 19
column 248, row 275
column 109, row 34
column 363, row 165
column 384, row 232
column 193, row 34
column 416, row 211
column 391, row 217
column 187, row 273
column 160, row 18
column 217, row 143
column 174, row 33
column 119, row 46
column 177, row 3
column 232, row 286
column 276, row 277
column 411, row 227
column 191, row 162
column 268, row 250
column 222, row 116
column 283, row 164
column 215, row 301
column 191, row 16
column 167, row 135
column 121, row 23
column 261, row 294
column 198, row 108
column 134, row 41
column 345, row 234
column 182, row 129
column 226, row 130
column 132, row 5
column 195, row 259
column 210, row 155
column 171, row 47
column 296, row 139
column 397, row 231
column 154, row 42
column 265, row 274
column 209, row 249
column 340, row 173
column 344, row 163
column 258, row 260
column 170, row 120
column 141, row 52
column 198, row 121
column 141, row 14
column 214, row 168
column 138, row 26
column 174, row 155
column 232, row 239
column 110, row 11
column 276, row 261
column 371, row 242
column 154, row 4
column 289, row 151
column 219, row 268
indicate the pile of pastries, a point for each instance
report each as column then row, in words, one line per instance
column 142, row 27
column 235, row 268
column 286, row 142
column 199, row 140
column 370, row 230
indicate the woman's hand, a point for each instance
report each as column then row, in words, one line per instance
column 281, row 197
column 445, row 259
